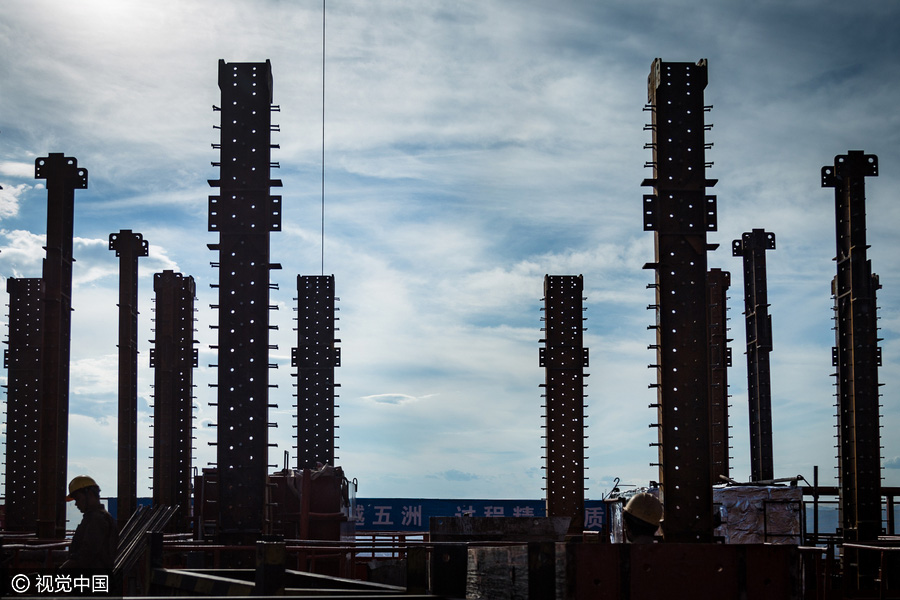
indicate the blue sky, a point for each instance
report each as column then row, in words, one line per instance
column 471, row 148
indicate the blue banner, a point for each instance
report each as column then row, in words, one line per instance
column 412, row 514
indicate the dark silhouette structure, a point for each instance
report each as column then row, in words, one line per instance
column 315, row 359
column 752, row 247
column 128, row 246
column 173, row 358
column 22, row 360
column 63, row 176
column 564, row 359
column 857, row 358
column 244, row 213
column 680, row 214
column 717, row 284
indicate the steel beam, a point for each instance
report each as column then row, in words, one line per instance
column 564, row 359
column 22, row 359
column 244, row 213
column 680, row 214
column 63, row 177
column 315, row 359
column 173, row 358
column 752, row 247
column 717, row 284
column 128, row 246
column 857, row 358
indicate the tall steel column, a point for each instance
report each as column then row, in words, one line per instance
column 717, row 284
column 857, row 358
column 244, row 213
column 128, row 246
column 22, row 359
column 63, row 177
column 173, row 359
column 564, row 359
column 681, row 213
column 752, row 246
column 315, row 358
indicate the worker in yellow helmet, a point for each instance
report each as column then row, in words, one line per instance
column 96, row 539
column 642, row 517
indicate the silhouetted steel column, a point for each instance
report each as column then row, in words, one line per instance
column 717, row 284
column 315, row 358
column 63, row 177
column 564, row 359
column 857, row 358
column 681, row 213
column 22, row 359
column 173, row 359
column 128, row 247
column 752, row 246
column 244, row 213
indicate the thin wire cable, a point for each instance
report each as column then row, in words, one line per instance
column 323, row 137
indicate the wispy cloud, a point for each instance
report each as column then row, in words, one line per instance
column 24, row 249
column 454, row 475
column 17, row 169
column 390, row 398
column 9, row 199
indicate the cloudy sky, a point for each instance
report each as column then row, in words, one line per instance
column 471, row 148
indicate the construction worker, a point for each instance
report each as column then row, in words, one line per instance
column 642, row 516
column 96, row 539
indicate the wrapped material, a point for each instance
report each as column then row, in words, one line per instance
column 758, row 514
column 497, row 573
column 502, row 572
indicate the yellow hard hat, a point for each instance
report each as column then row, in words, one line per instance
column 79, row 483
column 645, row 507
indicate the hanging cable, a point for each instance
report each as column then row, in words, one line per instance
column 323, row 137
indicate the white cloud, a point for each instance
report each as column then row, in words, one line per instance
column 9, row 199
column 390, row 398
column 19, row 170
column 23, row 253
column 95, row 376
column 93, row 262
column 158, row 260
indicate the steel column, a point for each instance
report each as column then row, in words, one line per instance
column 173, row 358
column 717, row 284
column 564, row 359
column 752, row 246
column 681, row 213
column 22, row 359
column 315, row 358
column 63, row 177
column 128, row 246
column 244, row 213
column 857, row 358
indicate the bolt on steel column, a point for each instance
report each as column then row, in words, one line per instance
column 752, row 246
column 63, row 177
column 564, row 359
column 681, row 213
column 22, row 359
column 315, row 358
column 717, row 284
column 244, row 213
column 173, row 359
column 857, row 358
column 128, row 246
